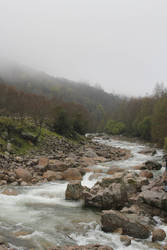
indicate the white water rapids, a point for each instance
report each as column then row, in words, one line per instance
column 48, row 219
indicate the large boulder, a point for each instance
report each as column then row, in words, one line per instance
column 153, row 165
column 23, row 174
column 74, row 190
column 158, row 235
column 114, row 197
column 154, row 198
column 72, row 174
column 131, row 225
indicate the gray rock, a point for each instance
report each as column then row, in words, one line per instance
column 112, row 220
column 74, row 190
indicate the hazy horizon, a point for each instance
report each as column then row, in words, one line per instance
column 117, row 44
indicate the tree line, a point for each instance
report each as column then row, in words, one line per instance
column 67, row 119
column 144, row 117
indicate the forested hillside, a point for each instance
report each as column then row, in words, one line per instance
column 97, row 102
column 68, row 106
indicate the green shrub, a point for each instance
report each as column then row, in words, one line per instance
column 144, row 128
column 114, row 127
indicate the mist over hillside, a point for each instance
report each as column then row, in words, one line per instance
column 38, row 82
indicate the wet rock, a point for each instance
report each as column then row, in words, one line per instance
column 72, row 174
column 130, row 183
column 74, row 190
column 106, row 198
column 147, row 174
column 125, row 240
column 148, row 152
column 112, row 220
column 23, row 174
column 116, row 178
column 52, row 175
column 2, row 240
column 153, row 198
column 153, row 165
column 23, row 183
column 158, row 235
column 86, row 247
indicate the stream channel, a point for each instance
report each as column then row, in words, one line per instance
column 46, row 219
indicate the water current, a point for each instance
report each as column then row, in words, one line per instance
column 40, row 217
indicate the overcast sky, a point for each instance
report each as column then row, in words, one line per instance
column 120, row 44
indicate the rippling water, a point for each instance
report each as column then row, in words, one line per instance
column 46, row 219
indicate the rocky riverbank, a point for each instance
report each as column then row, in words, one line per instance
column 57, row 159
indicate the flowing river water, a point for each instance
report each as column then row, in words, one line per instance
column 40, row 216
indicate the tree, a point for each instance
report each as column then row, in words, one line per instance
column 114, row 128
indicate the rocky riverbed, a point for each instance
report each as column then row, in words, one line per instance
column 99, row 195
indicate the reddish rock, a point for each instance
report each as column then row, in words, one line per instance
column 72, row 174
column 86, row 161
column 52, row 175
column 23, row 174
column 126, row 241
column 56, row 165
column 147, row 174
column 158, row 235
column 43, row 163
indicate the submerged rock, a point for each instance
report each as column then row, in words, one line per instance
column 126, row 241
column 153, row 165
column 10, row 191
column 86, row 247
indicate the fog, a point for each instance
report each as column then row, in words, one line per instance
column 119, row 44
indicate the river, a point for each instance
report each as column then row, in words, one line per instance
column 43, row 218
